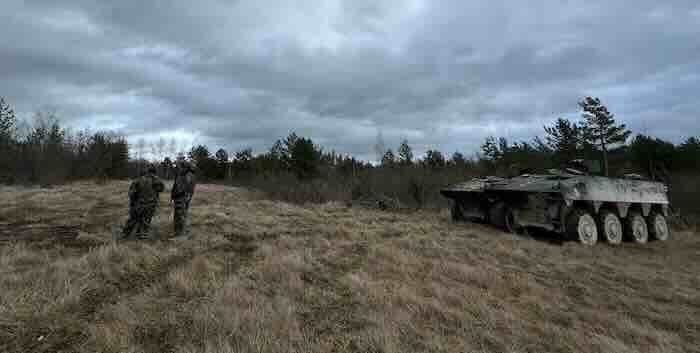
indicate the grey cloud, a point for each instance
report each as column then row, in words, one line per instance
column 442, row 74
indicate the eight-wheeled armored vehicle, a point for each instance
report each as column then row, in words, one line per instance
column 569, row 202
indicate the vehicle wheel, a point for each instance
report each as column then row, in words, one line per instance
column 636, row 228
column 610, row 227
column 456, row 211
column 658, row 227
column 509, row 222
column 497, row 215
column 582, row 227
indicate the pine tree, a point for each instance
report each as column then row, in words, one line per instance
column 434, row 159
column 119, row 149
column 405, row 153
column 600, row 128
column 689, row 154
column 388, row 159
column 221, row 163
column 564, row 138
column 458, row 160
column 7, row 143
column 244, row 159
column 304, row 157
column 205, row 165
column 653, row 155
column 7, row 122
column 494, row 149
column 100, row 156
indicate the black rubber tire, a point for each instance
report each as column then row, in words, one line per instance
column 636, row 228
column 510, row 225
column 658, row 226
column 456, row 211
column 610, row 227
column 581, row 226
column 497, row 215
column 509, row 221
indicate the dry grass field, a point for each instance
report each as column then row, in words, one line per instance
column 263, row 276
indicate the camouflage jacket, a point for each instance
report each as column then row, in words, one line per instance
column 144, row 191
column 183, row 187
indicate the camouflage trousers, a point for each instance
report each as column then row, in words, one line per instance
column 139, row 219
column 181, row 216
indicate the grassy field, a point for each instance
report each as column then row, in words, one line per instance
column 263, row 276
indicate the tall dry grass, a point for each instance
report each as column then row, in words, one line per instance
column 412, row 187
column 269, row 276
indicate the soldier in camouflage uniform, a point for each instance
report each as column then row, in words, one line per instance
column 144, row 194
column 181, row 196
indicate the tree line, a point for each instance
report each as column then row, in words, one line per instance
column 596, row 136
column 49, row 153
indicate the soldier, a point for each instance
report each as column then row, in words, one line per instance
column 181, row 196
column 144, row 193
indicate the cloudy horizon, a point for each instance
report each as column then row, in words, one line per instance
column 443, row 75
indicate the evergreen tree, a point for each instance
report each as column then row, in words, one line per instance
column 222, row 163
column 7, row 143
column 434, row 159
column 277, row 157
column 458, row 160
column 564, row 139
column 206, row 166
column 405, row 153
column 689, row 154
column 243, row 159
column 652, row 155
column 494, row 149
column 304, row 157
column 7, row 123
column 100, row 155
column 199, row 153
column 119, row 157
column 388, row 159
column 600, row 128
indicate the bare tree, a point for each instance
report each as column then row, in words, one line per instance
column 172, row 147
column 380, row 147
column 140, row 150
column 161, row 146
column 154, row 150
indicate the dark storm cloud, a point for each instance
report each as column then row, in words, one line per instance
column 441, row 74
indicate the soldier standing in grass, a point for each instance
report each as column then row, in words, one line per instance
column 181, row 196
column 144, row 194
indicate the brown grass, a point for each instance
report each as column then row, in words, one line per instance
column 266, row 276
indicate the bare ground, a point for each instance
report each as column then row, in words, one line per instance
column 265, row 276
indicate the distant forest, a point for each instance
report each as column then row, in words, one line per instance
column 296, row 169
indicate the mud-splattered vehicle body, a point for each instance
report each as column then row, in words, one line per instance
column 582, row 206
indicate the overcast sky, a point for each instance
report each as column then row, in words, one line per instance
column 443, row 74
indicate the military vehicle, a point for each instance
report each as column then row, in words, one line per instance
column 569, row 202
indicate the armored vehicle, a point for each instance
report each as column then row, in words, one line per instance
column 569, row 202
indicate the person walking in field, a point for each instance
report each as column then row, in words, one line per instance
column 181, row 197
column 144, row 195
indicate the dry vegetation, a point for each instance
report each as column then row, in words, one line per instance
column 263, row 276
